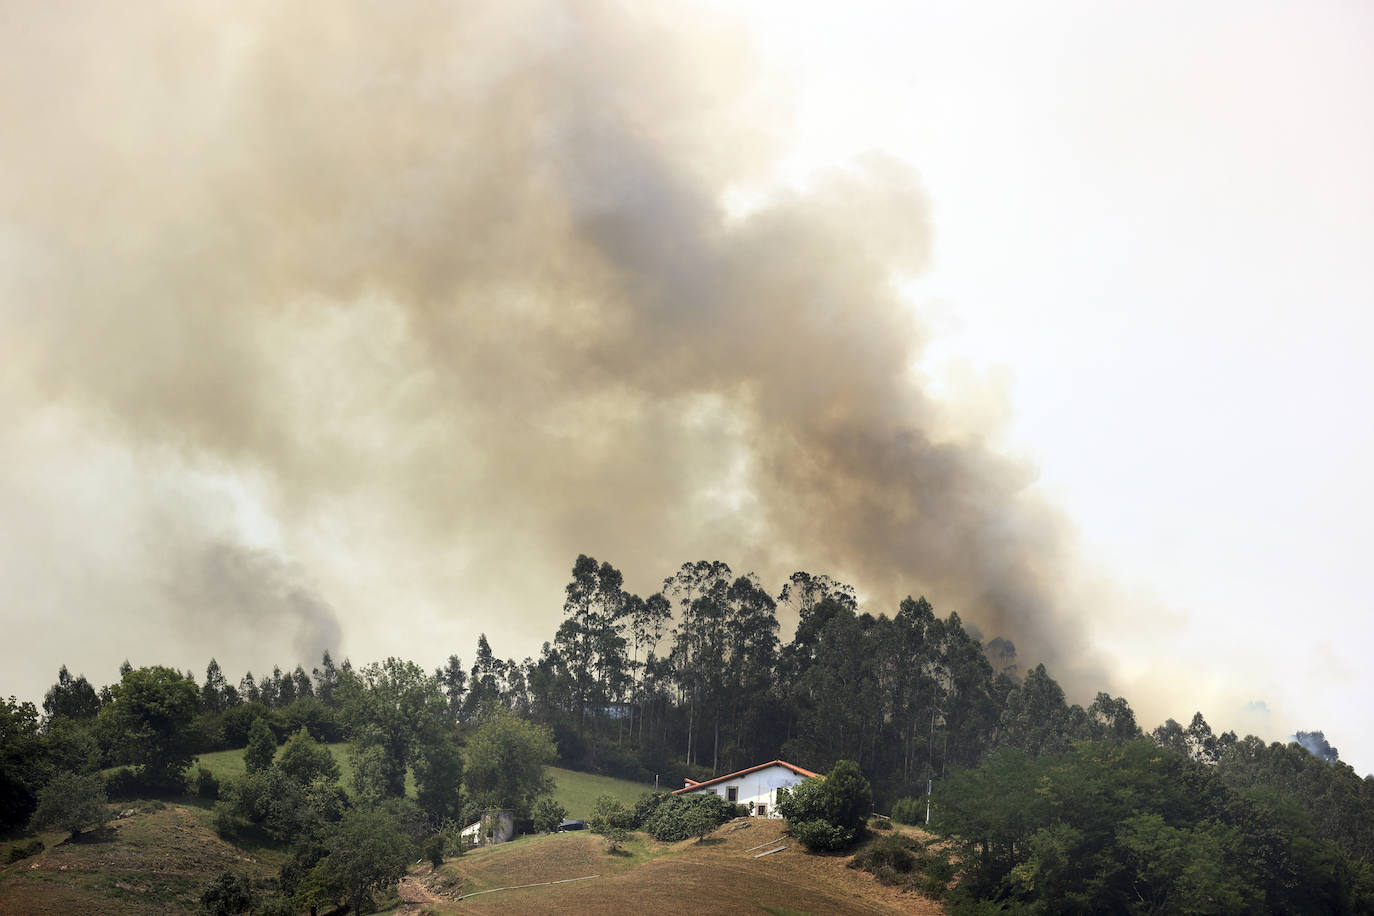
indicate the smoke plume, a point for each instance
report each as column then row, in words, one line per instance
column 445, row 294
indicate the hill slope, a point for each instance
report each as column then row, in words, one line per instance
column 719, row 875
column 156, row 859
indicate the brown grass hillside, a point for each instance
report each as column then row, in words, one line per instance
column 718, row 876
column 156, row 860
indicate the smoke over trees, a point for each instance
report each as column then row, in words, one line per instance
column 341, row 309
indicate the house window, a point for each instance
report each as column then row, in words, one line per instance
column 732, row 793
column 761, row 810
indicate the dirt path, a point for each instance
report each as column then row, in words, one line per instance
column 415, row 895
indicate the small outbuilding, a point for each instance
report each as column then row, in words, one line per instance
column 496, row 826
column 571, row 824
column 757, row 787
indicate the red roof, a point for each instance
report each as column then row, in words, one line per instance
column 693, row 785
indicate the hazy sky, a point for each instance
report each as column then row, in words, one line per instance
column 350, row 328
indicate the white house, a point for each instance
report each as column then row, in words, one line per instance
column 756, row 787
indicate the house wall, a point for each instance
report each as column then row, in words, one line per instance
column 758, row 787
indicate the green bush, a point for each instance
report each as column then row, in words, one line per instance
column 122, row 783
column 821, row 834
column 24, row 850
column 609, row 814
column 828, row 813
column 547, row 814
column 72, row 802
column 679, row 816
column 903, row 861
column 908, row 811
column 228, row 894
column 207, row 786
column 434, row 849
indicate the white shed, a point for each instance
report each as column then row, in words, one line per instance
column 756, row 786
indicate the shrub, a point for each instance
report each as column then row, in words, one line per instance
column 262, row 747
column 304, row 760
column 908, row 811
column 72, row 802
column 269, row 800
column 902, row 861
column 24, row 850
column 547, row 814
column 821, row 834
column 828, row 813
column 207, row 786
column 122, row 783
column 679, row 816
column 610, row 814
column 228, row 894
column 434, row 849
column 644, row 808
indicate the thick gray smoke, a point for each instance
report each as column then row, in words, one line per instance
column 451, row 293
column 259, row 592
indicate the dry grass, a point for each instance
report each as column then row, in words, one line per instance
column 719, row 875
column 156, row 861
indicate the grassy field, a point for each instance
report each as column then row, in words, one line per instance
column 577, row 792
column 225, row 764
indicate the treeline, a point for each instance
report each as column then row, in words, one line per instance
column 692, row 680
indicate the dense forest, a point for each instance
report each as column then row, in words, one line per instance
column 1059, row 806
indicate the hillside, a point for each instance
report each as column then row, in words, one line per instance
column 719, row 875
column 158, row 858
column 151, row 859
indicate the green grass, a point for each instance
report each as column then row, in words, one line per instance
column 226, row 764
column 578, row 792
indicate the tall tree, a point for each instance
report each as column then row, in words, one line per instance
column 151, row 712
column 393, row 708
column 21, row 761
column 71, row 698
column 505, row 762
column 453, row 679
column 327, row 680
column 213, row 691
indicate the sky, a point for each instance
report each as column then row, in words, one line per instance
column 350, row 328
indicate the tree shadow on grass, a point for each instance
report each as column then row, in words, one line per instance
column 102, row 834
column 710, row 841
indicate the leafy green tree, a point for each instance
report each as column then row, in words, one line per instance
column 228, row 894
column 504, row 766
column 828, row 813
column 1036, row 717
column 71, row 746
column 439, row 778
column 150, row 714
column 71, row 698
column 305, row 760
column 367, row 851
column 72, row 802
column 262, row 747
column 396, row 707
column 326, row 680
column 213, row 693
column 547, row 814
column 679, row 816
column 453, row 679
column 589, row 637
